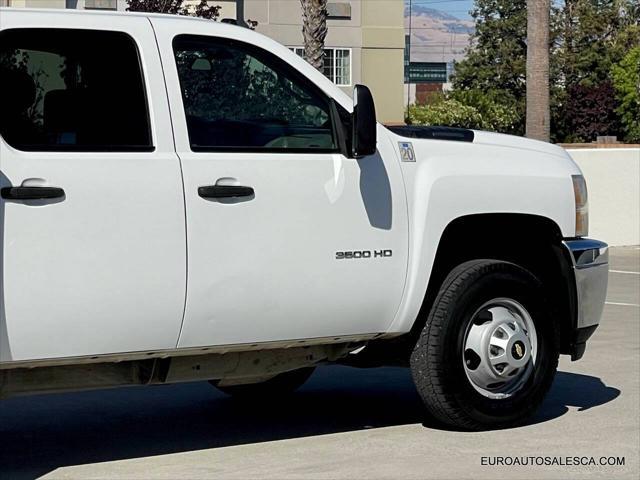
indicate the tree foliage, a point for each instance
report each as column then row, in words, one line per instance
column 495, row 64
column 175, row 7
column 587, row 39
column 590, row 111
column 626, row 81
column 596, row 35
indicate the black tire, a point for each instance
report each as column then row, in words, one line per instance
column 436, row 361
column 280, row 385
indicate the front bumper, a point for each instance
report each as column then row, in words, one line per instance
column 590, row 267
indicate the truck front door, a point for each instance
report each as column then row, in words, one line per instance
column 287, row 238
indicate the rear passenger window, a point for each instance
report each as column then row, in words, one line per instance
column 72, row 90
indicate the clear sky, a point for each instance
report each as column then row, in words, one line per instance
column 457, row 8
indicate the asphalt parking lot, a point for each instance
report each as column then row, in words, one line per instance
column 344, row 423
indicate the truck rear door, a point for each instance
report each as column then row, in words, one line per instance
column 93, row 248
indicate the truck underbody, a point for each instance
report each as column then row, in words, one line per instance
column 228, row 365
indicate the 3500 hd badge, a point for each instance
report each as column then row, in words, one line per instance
column 363, row 254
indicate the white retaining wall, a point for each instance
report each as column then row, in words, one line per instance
column 613, row 183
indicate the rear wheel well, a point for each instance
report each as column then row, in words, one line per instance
column 531, row 241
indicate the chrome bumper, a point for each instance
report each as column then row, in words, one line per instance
column 590, row 262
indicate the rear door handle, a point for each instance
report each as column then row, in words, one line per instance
column 225, row 191
column 31, row 193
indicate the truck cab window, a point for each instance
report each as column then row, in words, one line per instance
column 239, row 97
column 72, row 90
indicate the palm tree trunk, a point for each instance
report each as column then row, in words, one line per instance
column 538, row 110
column 314, row 30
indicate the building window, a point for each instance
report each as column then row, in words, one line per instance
column 100, row 5
column 339, row 11
column 343, row 66
column 337, row 64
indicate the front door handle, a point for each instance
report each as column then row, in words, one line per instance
column 31, row 193
column 225, row 191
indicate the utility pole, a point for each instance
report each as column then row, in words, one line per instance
column 408, row 67
column 240, row 13
column 538, row 125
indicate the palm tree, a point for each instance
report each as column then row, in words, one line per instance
column 314, row 30
column 538, row 110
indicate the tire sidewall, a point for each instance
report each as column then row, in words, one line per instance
column 504, row 280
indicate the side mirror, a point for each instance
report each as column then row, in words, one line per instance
column 363, row 135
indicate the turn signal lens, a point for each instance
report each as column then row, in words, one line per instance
column 582, row 205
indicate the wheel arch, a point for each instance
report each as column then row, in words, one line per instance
column 531, row 241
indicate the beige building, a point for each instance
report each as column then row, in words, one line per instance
column 365, row 42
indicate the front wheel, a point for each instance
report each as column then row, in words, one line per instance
column 487, row 355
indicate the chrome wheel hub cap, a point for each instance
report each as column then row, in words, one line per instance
column 500, row 348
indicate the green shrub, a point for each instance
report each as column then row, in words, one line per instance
column 500, row 113
column 469, row 109
column 445, row 112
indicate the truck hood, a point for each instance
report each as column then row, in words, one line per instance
column 521, row 143
column 478, row 137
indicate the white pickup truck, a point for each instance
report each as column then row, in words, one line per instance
column 187, row 200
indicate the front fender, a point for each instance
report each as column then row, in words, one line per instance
column 450, row 180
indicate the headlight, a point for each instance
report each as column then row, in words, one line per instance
column 582, row 205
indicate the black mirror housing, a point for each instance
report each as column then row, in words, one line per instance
column 364, row 125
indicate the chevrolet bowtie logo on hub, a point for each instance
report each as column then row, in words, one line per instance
column 517, row 350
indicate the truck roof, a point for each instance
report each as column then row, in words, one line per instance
column 188, row 22
column 113, row 13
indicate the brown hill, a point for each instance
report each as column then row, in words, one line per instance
column 436, row 36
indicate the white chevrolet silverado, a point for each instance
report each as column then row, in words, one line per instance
column 186, row 200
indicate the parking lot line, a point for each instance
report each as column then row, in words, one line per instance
column 622, row 304
column 624, row 271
